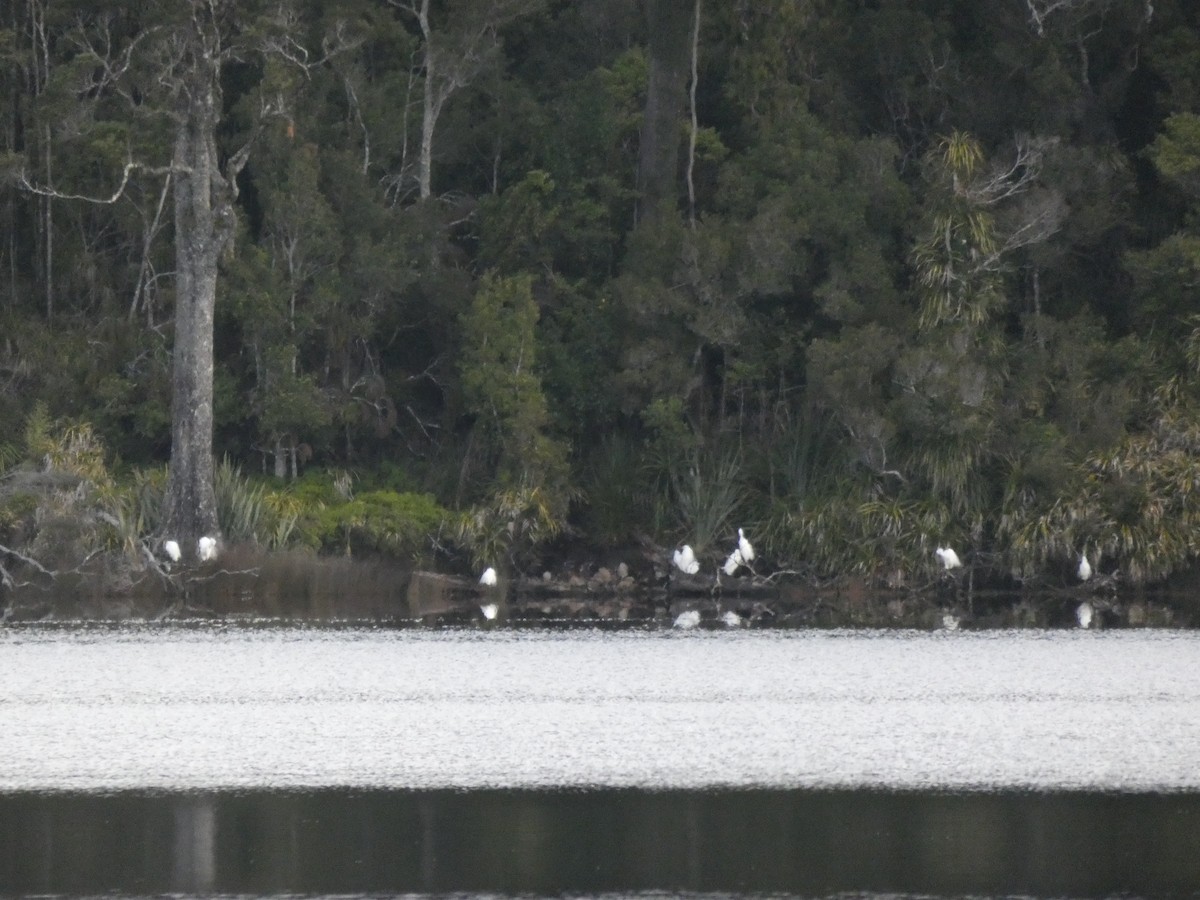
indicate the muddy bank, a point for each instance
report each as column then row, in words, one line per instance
column 245, row 584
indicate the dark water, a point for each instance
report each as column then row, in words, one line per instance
column 810, row 843
column 213, row 760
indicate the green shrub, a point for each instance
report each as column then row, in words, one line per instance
column 314, row 488
column 386, row 522
column 512, row 526
column 17, row 512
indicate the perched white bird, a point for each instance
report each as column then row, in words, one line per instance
column 489, row 610
column 949, row 558
column 488, row 579
column 731, row 619
column 1085, row 567
column 688, row 619
column 1084, row 614
column 685, row 560
column 745, row 547
column 734, row 562
column 171, row 548
column 206, row 548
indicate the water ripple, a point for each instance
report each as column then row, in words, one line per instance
column 219, row 707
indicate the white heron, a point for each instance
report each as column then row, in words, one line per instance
column 688, row 619
column 490, row 610
column 488, row 578
column 1084, row 614
column 685, row 560
column 949, row 558
column 171, row 548
column 731, row 619
column 745, row 547
column 1085, row 567
column 206, row 548
column 735, row 561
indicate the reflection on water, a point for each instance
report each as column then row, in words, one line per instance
column 228, row 709
column 211, row 760
column 589, row 842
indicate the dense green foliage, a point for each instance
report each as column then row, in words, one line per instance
column 931, row 277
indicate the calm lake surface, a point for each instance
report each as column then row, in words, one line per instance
column 237, row 760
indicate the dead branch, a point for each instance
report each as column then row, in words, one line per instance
column 6, row 578
column 1040, row 10
column 145, row 277
column 42, row 190
column 1007, row 181
column 110, row 65
column 217, row 574
column 285, row 46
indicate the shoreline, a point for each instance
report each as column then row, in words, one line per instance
column 248, row 584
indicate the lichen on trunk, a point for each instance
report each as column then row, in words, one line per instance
column 204, row 220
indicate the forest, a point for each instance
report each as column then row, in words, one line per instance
column 469, row 282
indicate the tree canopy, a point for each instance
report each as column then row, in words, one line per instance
column 871, row 277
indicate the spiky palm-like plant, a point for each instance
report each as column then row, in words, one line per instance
column 707, row 494
column 511, row 526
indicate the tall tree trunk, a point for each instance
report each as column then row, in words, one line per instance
column 695, row 125
column 432, row 109
column 203, row 228
column 281, row 459
column 670, row 23
column 48, row 225
column 40, row 37
column 468, row 42
column 432, row 97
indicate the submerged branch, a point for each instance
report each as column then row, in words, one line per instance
column 27, row 560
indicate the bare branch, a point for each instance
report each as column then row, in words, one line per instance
column 1040, row 10
column 352, row 96
column 145, row 278
column 1005, row 182
column 219, row 572
column 44, row 191
column 27, row 560
column 286, row 47
column 427, row 373
column 267, row 109
column 1037, row 219
column 424, row 426
column 111, row 65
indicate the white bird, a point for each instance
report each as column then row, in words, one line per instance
column 206, row 548
column 688, row 619
column 745, row 547
column 489, row 610
column 488, row 578
column 950, row 622
column 171, row 548
column 949, row 558
column 731, row 619
column 1084, row 613
column 1085, row 568
column 734, row 562
column 685, row 560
